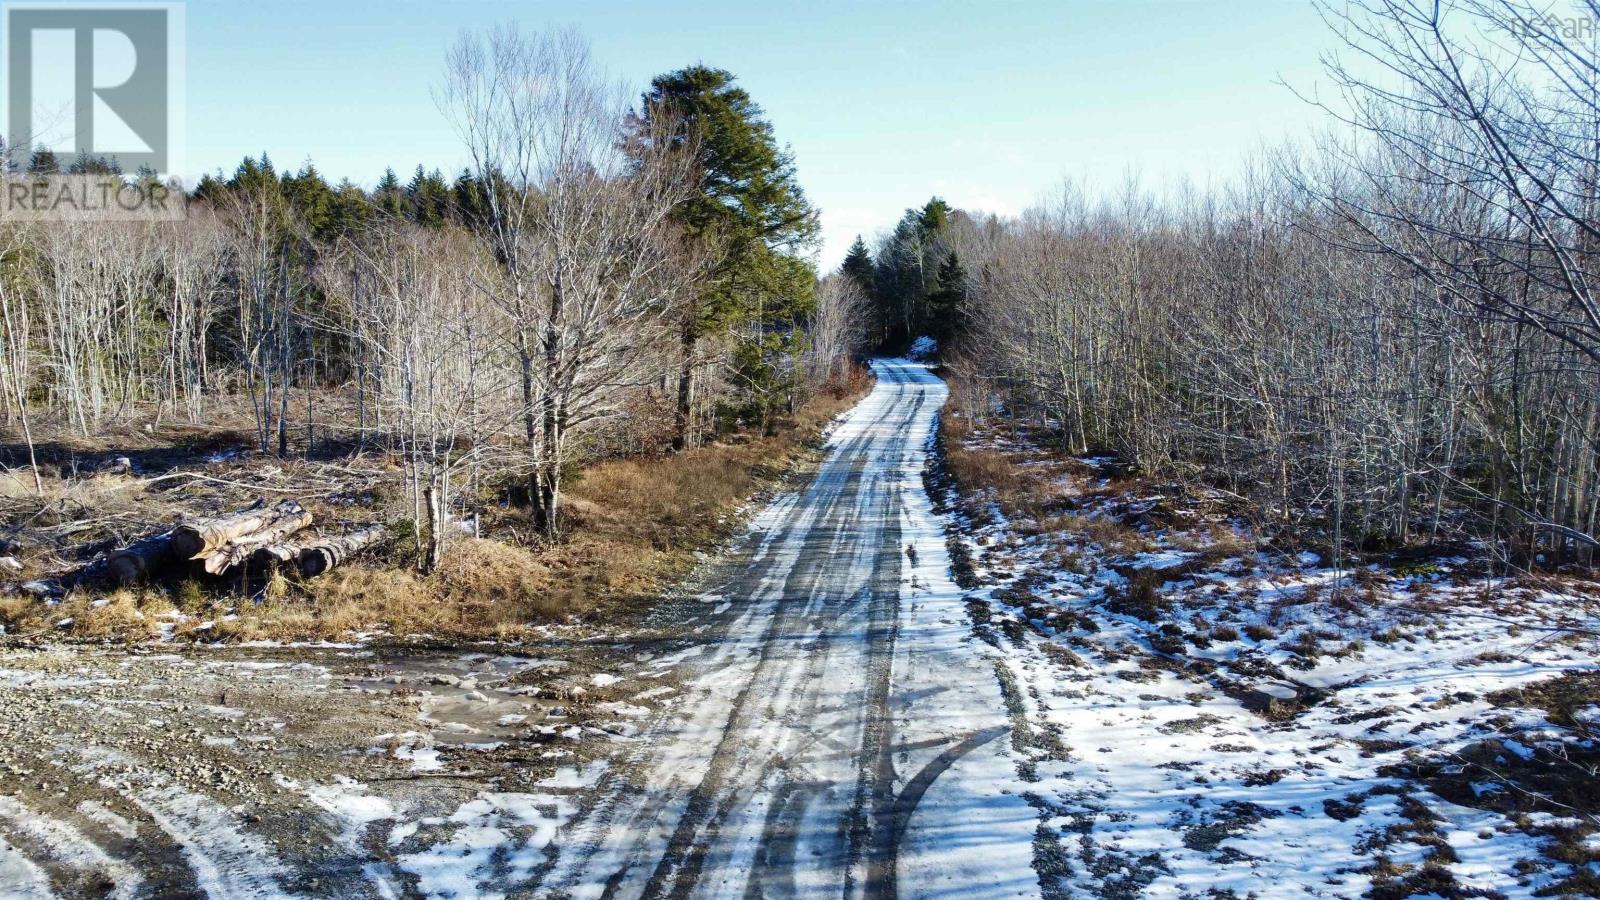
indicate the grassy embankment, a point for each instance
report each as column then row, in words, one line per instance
column 634, row 525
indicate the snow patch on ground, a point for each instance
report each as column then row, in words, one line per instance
column 494, row 840
column 1191, row 715
column 20, row 878
column 70, row 848
column 227, row 860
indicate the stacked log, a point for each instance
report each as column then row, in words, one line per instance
column 224, row 542
column 263, row 534
column 314, row 559
column 197, row 540
column 142, row 559
column 317, row 555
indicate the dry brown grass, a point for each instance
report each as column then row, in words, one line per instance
column 121, row 615
column 1214, row 543
column 632, row 526
column 1117, row 537
column 983, row 469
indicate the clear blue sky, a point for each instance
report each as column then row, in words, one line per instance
column 988, row 104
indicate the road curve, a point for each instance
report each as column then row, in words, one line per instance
column 838, row 734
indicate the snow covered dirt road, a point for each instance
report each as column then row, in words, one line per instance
column 839, row 739
column 812, row 717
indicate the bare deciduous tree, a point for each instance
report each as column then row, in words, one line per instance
column 580, row 227
column 838, row 327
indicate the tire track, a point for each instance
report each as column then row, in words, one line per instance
column 797, row 788
column 801, row 532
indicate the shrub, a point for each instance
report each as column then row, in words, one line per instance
column 1258, row 633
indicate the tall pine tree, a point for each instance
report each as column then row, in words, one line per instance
column 857, row 265
column 947, row 304
column 907, row 272
column 750, row 204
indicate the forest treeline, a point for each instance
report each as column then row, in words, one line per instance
column 1387, row 335
column 610, row 274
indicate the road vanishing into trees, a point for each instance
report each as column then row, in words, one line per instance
column 838, row 739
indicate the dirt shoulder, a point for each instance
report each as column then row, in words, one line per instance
column 318, row 771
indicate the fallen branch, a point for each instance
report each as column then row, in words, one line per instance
column 196, row 476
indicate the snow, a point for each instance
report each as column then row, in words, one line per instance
column 776, row 715
column 572, row 778
column 495, row 840
column 416, row 747
column 972, row 833
column 348, row 803
column 114, row 823
column 1179, row 788
column 70, row 848
column 227, row 860
column 20, row 879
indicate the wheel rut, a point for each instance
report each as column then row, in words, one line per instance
column 779, row 778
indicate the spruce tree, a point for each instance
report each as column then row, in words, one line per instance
column 750, row 202
column 389, row 198
column 430, row 198
column 857, row 265
column 309, row 195
column 44, row 162
column 469, row 200
column 907, row 272
column 946, row 305
column 254, row 174
column 211, row 188
column 350, row 208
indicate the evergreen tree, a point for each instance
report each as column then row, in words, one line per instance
column 44, row 162
column 389, row 198
column 309, row 195
column 857, row 265
column 751, row 204
column 470, row 200
column 211, row 188
column 947, row 304
column 430, row 198
column 349, row 209
column 95, row 165
column 907, row 272
column 935, row 217
column 254, row 174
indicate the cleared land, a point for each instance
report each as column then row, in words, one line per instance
column 944, row 665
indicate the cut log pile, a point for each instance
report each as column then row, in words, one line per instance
column 268, row 536
column 318, row 555
column 141, row 559
column 223, row 543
